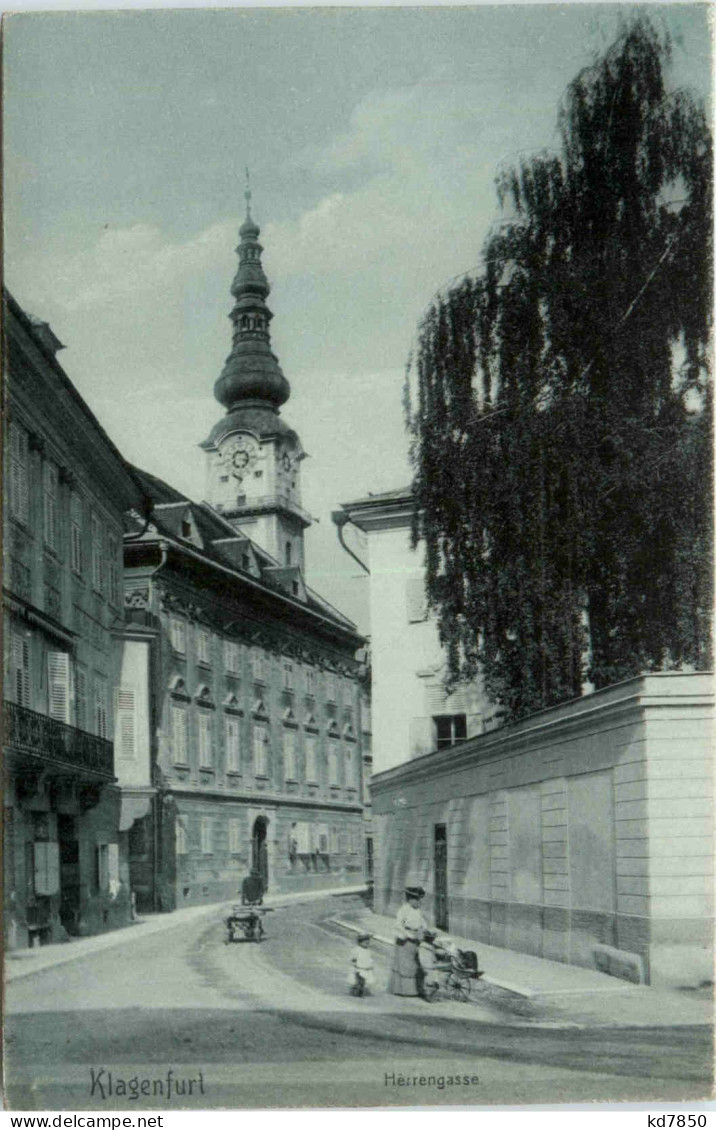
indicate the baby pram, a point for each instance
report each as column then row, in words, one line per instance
column 462, row 971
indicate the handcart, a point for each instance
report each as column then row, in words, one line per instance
column 245, row 923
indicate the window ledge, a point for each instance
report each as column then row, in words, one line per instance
column 181, row 765
column 261, row 776
column 207, row 769
column 291, row 781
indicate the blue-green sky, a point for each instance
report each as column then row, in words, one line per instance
column 373, row 137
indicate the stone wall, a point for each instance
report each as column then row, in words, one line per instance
column 584, row 825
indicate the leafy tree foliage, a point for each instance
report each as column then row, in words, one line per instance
column 559, row 402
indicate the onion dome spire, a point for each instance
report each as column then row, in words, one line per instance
column 251, row 377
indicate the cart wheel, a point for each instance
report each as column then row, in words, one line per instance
column 459, row 988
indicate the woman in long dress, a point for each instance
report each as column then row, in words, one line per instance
column 408, row 935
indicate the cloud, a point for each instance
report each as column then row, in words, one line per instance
column 127, row 263
column 424, row 158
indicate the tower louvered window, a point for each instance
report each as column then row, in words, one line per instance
column 19, row 474
column 58, row 685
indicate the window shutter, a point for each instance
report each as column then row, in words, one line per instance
column 97, row 555
column 205, row 751
column 416, row 600
column 125, row 724
column 47, row 868
column 113, row 867
column 76, row 533
column 333, row 765
column 289, row 755
column 181, row 844
column 232, row 743
column 113, row 555
column 20, row 659
column 100, row 706
column 49, row 490
column 310, row 759
column 303, row 838
column 81, row 698
column 58, row 685
column 19, row 473
column 179, row 734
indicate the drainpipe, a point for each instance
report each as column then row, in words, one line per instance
column 340, row 520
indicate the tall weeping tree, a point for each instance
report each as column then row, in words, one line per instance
column 559, row 402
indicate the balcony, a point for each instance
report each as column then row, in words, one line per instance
column 28, row 732
column 260, row 503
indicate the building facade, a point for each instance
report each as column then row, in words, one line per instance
column 66, row 487
column 413, row 713
column 241, row 687
column 582, row 834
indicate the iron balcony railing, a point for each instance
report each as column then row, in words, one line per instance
column 34, row 733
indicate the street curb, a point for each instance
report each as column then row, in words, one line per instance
column 508, row 986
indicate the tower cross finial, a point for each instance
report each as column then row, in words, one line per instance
column 247, row 194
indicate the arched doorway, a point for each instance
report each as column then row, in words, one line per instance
column 259, row 853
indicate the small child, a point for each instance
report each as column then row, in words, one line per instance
column 360, row 975
column 430, row 966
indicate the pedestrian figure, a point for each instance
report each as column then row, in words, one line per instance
column 433, row 972
column 410, row 925
column 252, row 889
column 360, row 975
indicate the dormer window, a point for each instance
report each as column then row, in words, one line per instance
column 186, row 529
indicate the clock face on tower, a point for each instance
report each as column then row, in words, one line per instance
column 240, row 455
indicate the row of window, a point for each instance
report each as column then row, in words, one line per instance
column 104, row 549
column 304, row 839
column 260, row 662
column 44, row 870
column 260, row 750
column 74, row 695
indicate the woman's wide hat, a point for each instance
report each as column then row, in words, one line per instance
column 414, row 892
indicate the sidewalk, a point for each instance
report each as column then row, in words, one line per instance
column 566, row 991
column 25, row 962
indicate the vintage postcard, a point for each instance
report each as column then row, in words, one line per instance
column 357, row 561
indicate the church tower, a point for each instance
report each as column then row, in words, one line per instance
column 253, row 457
